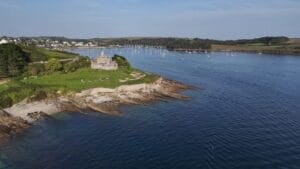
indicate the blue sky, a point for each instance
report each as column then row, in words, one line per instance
column 218, row 19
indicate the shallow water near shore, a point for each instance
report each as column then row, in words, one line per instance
column 245, row 114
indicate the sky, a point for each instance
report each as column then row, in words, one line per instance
column 214, row 19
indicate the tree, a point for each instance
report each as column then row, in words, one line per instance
column 3, row 63
column 13, row 60
column 121, row 60
column 54, row 65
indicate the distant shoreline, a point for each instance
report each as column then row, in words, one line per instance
column 223, row 49
column 279, row 45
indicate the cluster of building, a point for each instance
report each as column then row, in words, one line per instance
column 47, row 42
column 63, row 44
column 56, row 43
column 4, row 41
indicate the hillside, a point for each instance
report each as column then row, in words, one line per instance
column 42, row 54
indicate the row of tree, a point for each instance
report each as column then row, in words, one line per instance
column 186, row 43
column 268, row 40
column 170, row 43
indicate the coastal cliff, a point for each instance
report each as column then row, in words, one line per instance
column 104, row 100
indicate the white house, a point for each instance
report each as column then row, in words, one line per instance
column 3, row 41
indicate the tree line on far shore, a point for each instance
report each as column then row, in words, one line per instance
column 187, row 43
column 268, row 40
column 169, row 43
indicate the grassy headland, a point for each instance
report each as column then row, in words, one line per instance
column 21, row 87
column 61, row 81
column 54, row 77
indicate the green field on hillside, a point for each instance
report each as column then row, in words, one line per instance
column 84, row 79
column 42, row 54
column 20, row 88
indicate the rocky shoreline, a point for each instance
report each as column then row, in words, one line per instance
column 104, row 100
column 10, row 125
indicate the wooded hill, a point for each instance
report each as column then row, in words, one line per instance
column 12, row 60
column 15, row 59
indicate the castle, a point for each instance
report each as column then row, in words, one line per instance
column 104, row 62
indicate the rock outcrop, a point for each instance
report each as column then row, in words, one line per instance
column 102, row 100
column 10, row 125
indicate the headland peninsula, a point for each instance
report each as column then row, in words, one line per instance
column 37, row 82
column 39, row 78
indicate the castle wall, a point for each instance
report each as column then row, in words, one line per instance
column 104, row 63
column 109, row 66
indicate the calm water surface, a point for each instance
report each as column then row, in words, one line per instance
column 246, row 115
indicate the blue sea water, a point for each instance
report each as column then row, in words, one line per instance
column 245, row 115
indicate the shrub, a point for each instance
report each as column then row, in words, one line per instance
column 6, row 102
column 34, row 71
column 39, row 68
column 122, row 62
column 39, row 95
column 53, row 65
column 80, row 63
column 69, row 67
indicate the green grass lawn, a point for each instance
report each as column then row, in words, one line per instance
column 57, row 54
column 20, row 88
column 16, row 90
column 81, row 79
column 42, row 54
column 256, row 44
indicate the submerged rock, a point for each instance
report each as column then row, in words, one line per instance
column 37, row 115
